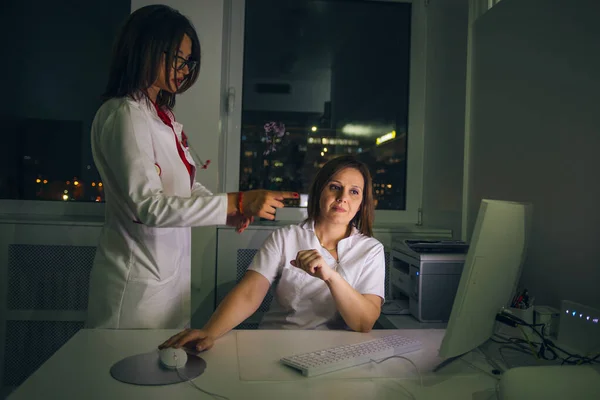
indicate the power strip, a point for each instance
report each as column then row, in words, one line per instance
column 579, row 328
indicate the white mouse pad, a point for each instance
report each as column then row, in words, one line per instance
column 145, row 369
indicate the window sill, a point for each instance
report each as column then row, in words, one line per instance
column 382, row 226
column 41, row 219
column 51, row 212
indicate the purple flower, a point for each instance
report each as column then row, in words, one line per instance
column 277, row 128
column 270, row 149
column 273, row 129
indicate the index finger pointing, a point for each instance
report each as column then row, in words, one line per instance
column 285, row 195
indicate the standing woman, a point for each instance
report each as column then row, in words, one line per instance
column 141, row 273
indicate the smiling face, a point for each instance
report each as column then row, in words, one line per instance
column 177, row 76
column 342, row 196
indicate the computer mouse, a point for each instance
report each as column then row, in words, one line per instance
column 172, row 358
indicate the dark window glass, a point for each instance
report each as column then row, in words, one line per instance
column 321, row 79
column 56, row 58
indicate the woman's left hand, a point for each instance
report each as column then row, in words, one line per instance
column 240, row 221
column 311, row 262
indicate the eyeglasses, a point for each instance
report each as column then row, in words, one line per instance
column 179, row 63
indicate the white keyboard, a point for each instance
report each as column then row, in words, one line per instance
column 339, row 357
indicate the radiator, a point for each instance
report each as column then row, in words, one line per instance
column 42, row 281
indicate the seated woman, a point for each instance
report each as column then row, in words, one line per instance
column 328, row 272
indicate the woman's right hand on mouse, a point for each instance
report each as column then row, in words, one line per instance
column 196, row 339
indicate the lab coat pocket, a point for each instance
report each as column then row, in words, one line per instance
column 290, row 285
column 158, row 254
column 152, row 305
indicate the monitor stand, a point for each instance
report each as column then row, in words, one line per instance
column 446, row 362
column 489, row 362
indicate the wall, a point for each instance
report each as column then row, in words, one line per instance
column 199, row 110
column 535, row 136
column 444, row 114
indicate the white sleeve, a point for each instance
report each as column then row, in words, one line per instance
column 199, row 190
column 127, row 144
column 372, row 277
column 270, row 258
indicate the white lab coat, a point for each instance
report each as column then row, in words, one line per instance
column 141, row 273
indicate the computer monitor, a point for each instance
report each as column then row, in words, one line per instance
column 490, row 274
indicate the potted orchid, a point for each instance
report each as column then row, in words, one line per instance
column 273, row 132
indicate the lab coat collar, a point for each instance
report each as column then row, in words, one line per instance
column 145, row 103
column 309, row 225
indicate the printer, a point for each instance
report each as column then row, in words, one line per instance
column 426, row 274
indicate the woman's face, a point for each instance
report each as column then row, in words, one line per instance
column 177, row 77
column 342, row 196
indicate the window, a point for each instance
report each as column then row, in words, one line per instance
column 58, row 67
column 323, row 78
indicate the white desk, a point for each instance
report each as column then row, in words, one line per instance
column 80, row 369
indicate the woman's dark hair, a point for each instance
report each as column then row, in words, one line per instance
column 363, row 220
column 150, row 35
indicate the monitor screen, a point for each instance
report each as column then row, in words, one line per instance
column 490, row 274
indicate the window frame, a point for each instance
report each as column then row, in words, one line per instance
column 230, row 144
column 232, row 84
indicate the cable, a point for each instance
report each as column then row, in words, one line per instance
column 515, row 347
column 513, row 340
column 516, row 342
column 541, row 353
column 545, row 346
column 404, row 358
column 548, row 345
column 490, row 362
column 528, row 342
column 589, row 354
column 413, row 364
column 502, row 357
column 186, row 379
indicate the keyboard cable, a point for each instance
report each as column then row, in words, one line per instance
column 410, row 361
column 186, row 379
